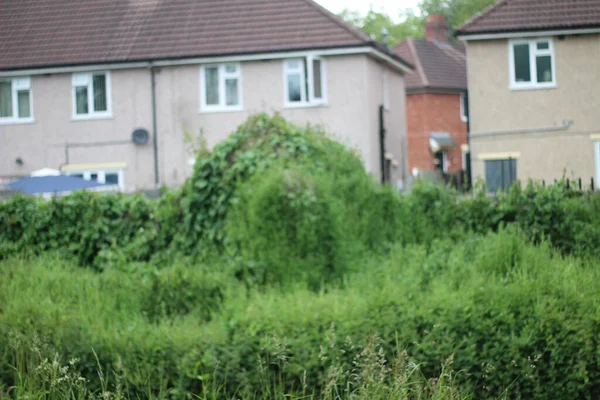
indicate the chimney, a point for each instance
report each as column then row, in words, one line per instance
column 436, row 28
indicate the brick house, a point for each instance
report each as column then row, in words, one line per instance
column 436, row 101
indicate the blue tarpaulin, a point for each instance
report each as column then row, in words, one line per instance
column 52, row 184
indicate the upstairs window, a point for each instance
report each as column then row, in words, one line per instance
column 304, row 81
column 532, row 64
column 91, row 95
column 221, row 88
column 15, row 100
column 464, row 107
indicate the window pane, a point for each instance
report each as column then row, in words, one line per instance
column 317, row 84
column 544, row 68
column 293, row 64
column 543, row 46
column 493, row 175
column 522, row 68
column 231, row 68
column 294, row 83
column 23, row 100
column 500, row 174
column 99, row 90
column 211, row 78
column 111, row 178
column 81, row 100
column 77, row 176
column 231, row 92
column 5, row 99
column 94, row 177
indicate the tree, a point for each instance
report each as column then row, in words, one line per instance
column 412, row 24
column 374, row 22
column 457, row 11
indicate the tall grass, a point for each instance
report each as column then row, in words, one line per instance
column 494, row 316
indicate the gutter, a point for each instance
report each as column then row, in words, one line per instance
column 508, row 34
column 566, row 124
column 366, row 48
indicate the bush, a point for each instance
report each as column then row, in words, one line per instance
column 285, row 227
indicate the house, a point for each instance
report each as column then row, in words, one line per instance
column 107, row 90
column 436, row 100
column 534, row 78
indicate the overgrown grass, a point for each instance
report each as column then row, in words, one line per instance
column 282, row 270
column 495, row 315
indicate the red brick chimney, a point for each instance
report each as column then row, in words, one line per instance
column 436, row 28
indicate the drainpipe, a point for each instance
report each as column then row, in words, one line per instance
column 154, row 127
column 565, row 125
column 382, row 142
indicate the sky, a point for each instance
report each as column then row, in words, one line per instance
column 390, row 7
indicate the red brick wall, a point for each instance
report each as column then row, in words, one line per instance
column 433, row 112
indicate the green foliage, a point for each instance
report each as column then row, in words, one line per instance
column 97, row 229
column 457, row 11
column 411, row 23
column 374, row 22
column 286, row 226
column 325, row 285
column 515, row 319
column 255, row 146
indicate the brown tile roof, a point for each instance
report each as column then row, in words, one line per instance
column 532, row 15
column 36, row 33
column 437, row 65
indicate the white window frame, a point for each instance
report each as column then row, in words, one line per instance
column 310, row 101
column 533, row 53
column 17, row 85
column 597, row 157
column 92, row 114
column 223, row 76
column 87, row 175
column 463, row 115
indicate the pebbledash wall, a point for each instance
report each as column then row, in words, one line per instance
column 547, row 155
column 355, row 87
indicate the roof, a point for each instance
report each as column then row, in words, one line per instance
column 437, row 65
column 52, row 184
column 44, row 33
column 533, row 15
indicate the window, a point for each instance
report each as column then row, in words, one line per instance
column 15, row 100
column 500, row 174
column 304, row 81
column 597, row 156
column 221, row 87
column 532, row 64
column 91, row 95
column 464, row 107
column 109, row 177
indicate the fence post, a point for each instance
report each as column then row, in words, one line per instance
column 544, row 182
column 568, row 184
column 580, row 187
column 592, row 185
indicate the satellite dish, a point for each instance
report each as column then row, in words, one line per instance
column 140, row 136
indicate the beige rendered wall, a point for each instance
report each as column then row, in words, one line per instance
column 493, row 107
column 350, row 116
column 41, row 143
